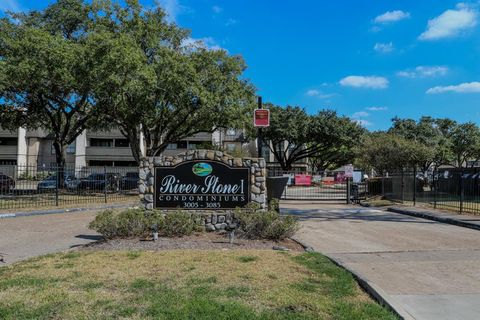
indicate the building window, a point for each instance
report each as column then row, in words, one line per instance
column 71, row 148
column 231, row 147
column 231, row 132
column 182, row 145
column 8, row 141
column 172, row 146
column 7, row 162
column 121, row 143
column 101, row 142
column 126, row 164
column 100, row 163
column 194, row 145
column 471, row 163
column 265, row 151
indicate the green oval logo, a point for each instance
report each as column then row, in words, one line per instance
column 202, row 169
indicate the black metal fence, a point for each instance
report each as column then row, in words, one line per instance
column 451, row 189
column 41, row 187
column 319, row 186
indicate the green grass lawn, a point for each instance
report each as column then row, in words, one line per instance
column 237, row 284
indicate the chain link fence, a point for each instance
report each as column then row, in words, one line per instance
column 42, row 187
column 451, row 189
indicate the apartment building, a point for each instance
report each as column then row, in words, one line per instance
column 92, row 148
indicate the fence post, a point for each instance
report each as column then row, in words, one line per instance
column 348, row 190
column 56, row 186
column 105, row 183
column 414, row 186
column 403, row 185
column 434, row 185
column 383, row 185
column 462, row 192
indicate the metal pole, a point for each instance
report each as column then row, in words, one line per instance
column 462, row 192
column 348, row 191
column 383, row 185
column 56, row 186
column 414, row 186
column 403, row 185
column 105, row 183
column 434, row 185
column 260, row 140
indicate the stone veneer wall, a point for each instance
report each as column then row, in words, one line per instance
column 211, row 220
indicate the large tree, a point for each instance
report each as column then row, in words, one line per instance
column 386, row 152
column 465, row 147
column 48, row 72
column 429, row 132
column 160, row 83
column 326, row 139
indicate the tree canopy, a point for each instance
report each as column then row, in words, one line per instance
column 326, row 139
column 48, row 72
column 78, row 65
column 427, row 143
column 161, row 84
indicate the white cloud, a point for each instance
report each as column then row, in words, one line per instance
column 377, row 108
column 319, row 94
column 392, row 16
column 383, row 47
column 173, row 8
column 424, row 72
column 230, row 22
column 10, row 5
column 372, row 82
column 217, row 9
column 468, row 87
column 362, row 122
column 207, row 42
column 451, row 23
column 360, row 114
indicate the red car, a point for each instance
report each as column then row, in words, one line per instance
column 6, row 183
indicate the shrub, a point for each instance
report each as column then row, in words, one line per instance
column 105, row 224
column 271, row 225
column 177, row 224
column 132, row 223
column 136, row 222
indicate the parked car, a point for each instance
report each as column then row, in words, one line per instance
column 6, row 183
column 70, row 182
column 129, row 181
column 100, row 182
column 49, row 183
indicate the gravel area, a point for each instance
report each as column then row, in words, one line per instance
column 197, row 241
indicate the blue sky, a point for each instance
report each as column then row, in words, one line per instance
column 371, row 60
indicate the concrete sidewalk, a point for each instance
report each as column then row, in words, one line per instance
column 423, row 269
column 26, row 237
column 461, row 220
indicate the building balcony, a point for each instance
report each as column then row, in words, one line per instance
column 108, row 152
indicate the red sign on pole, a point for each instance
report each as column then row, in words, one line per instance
column 261, row 118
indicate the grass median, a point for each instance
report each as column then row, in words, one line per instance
column 240, row 284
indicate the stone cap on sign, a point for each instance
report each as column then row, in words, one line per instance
column 257, row 168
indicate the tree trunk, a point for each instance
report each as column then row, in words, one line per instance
column 60, row 159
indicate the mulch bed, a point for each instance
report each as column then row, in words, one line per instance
column 197, row 241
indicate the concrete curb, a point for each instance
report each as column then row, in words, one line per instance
column 434, row 217
column 371, row 289
column 57, row 211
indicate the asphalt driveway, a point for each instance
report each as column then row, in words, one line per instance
column 425, row 269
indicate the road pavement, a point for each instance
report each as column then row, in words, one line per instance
column 425, row 269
